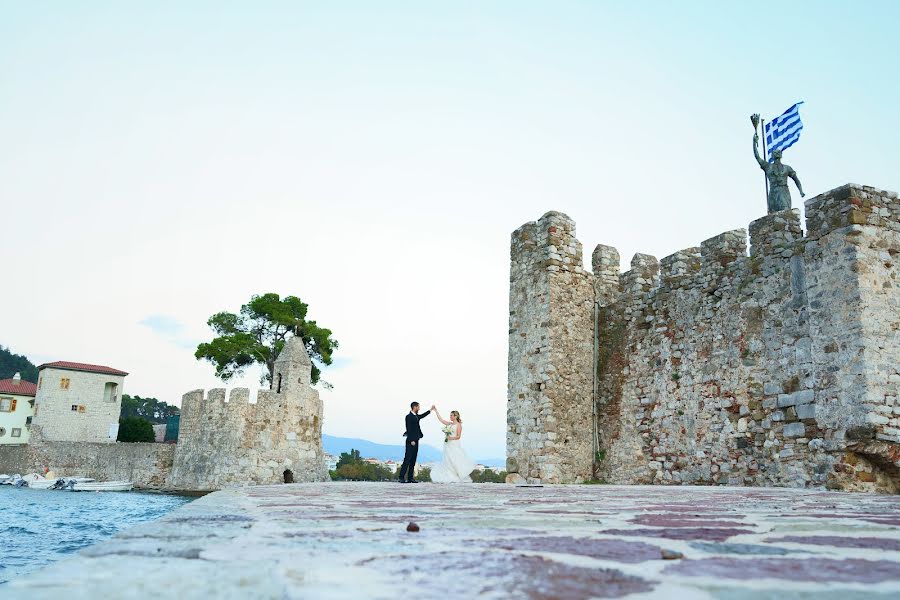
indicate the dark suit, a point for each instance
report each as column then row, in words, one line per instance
column 413, row 435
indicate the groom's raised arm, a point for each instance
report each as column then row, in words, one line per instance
column 424, row 414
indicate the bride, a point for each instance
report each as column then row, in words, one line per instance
column 456, row 466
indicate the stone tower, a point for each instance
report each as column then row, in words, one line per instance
column 292, row 367
column 551, row 304
column 277, row 439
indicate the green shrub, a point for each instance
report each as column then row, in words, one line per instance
column 488, row 476
column 135, row 429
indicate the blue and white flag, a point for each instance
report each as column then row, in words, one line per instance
column 784, row 131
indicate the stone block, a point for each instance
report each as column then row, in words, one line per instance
column 794, row 430
column 806, row 411
column 801, row 397
column 877, row 419
column 515, row 479
column 860, row 433
column 771, row 388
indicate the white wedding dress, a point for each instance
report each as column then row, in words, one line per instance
column 456, row 466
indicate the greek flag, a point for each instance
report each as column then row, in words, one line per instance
column 784, row 131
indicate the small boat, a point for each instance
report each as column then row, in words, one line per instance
column 42, row 484
column 35, row 478
column 100, row 486
column 56, row 483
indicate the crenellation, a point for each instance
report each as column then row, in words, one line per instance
column 238, row 398
column 605, row 267
column 775, row 235
column 216, row 395
column 712, row 366
column 852, row 205
column 723, row 249
column 680, row 268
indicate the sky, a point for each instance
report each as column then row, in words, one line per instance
column 164, row 161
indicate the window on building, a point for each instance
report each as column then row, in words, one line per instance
column 28, row 421
column 40, row 379
column 64, row 383
column 2, row 431
column 6, row 404
column 74, row 408
column 110, row 392
column 81, row 408
column 16, row 432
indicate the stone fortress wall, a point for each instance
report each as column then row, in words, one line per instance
column 712, row 366
column 237, row 442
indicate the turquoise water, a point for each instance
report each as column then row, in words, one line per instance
column 38, row 527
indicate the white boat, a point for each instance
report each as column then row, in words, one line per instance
column 101, row 486
column 41, row 484
column 36, row 477
column 56, row 483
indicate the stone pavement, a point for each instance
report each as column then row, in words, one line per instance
column 350, row 540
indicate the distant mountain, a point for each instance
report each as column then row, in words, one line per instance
column 336, row 445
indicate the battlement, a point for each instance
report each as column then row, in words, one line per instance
column 221, row 397
column 734, row 361
column 850, row 205
column 548, row 244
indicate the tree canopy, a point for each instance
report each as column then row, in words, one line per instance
column 10, row 364
column 151, row 409
column 256, row 335
column 135, row 429
column 351, row 467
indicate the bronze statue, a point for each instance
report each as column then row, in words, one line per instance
column 777, row 174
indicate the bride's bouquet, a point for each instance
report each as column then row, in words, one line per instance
column 448, row 431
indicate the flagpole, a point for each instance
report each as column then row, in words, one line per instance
column 762, row 126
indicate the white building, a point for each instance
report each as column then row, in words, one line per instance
column 16, row 409
column 78, row 402
column 331, row 462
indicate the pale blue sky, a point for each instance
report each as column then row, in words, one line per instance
column 160, row 162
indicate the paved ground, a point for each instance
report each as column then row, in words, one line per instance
column 495, row 541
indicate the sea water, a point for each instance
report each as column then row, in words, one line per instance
column 38, row 527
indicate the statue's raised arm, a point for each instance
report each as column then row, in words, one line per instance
column 762, row 164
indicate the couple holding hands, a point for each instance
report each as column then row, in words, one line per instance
column 455, row 467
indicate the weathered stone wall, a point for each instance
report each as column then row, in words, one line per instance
column 223, row 444
column 14, row 460
column 549, row 408
column 778, row 368
column 147, row 465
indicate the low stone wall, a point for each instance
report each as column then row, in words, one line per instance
column 147, row 465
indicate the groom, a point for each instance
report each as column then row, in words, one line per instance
column 413, row 435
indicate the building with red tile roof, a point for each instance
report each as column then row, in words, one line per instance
column 16, row 410
column 78, row 402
